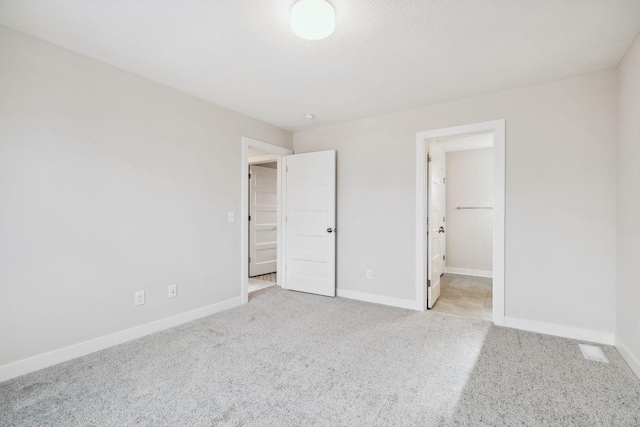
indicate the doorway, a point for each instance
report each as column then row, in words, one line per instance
column 431, row 245
column 263, row 222
column 266, row 254
column 305, row 218
column 463, row 169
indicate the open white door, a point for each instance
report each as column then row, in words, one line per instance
column 310, row 223
column 263, row 221
column 435, row 164
column 443, row 206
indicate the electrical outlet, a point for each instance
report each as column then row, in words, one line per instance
column 232, row 217
column 173, row 291
column 369, row 274
column 139, row 298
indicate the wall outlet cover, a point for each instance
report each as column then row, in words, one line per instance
column 139, row 298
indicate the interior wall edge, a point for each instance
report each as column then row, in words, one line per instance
column 628, row 356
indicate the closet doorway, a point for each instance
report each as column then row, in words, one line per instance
column 262, row 239
column 460, row 195
column 263, row 220
column 460, row 220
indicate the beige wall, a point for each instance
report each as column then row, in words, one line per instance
column 560, row 197
column 469, row 232
column 109, row 184
column 628, row 218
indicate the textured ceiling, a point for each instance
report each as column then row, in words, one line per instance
column 384, row 56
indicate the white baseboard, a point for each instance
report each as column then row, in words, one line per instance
column 559, row 330
column 469, row 272
column 378, row 299
column 31, row 364
column 630, row 358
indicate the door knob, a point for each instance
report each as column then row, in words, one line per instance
column 329, row 230
column 441, row 230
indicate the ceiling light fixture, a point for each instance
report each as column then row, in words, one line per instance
column 313, row 19
column 309, row 116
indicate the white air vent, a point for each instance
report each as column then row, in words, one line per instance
column 592, row 352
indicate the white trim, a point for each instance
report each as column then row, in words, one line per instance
column 559, row 330
column 41, row 361
column 279, row 153
column 469, row 272
column 630, row 358
column 498, row 129
column 377, row 299
column 471, row 142
column 421, row 249
column 267, row 158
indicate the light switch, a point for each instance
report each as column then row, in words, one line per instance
column 232, row 217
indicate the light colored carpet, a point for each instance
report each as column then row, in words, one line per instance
column 292, row 359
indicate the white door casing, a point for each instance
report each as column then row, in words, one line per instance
column 263, row 230
column 443, row 205
column 498, row 129
column 434, row 224
column 278, row 154
column 310, row 222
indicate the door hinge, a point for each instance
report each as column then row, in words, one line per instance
column 427, row 220
column 428, row 283
column 249, row 217
column 444, row 257
column 444, row 180
column 428, row 157
column 249, row 260
column 249, row 175
column 444, row 219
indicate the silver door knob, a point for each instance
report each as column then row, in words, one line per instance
column 441, row 230
column 329, row 230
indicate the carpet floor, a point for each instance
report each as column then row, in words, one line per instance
column 292, row 359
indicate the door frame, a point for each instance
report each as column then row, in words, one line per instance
column 497, row 127
column 279, row 153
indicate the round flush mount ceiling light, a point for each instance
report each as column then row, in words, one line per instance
column 309, row 116
column 313, row 19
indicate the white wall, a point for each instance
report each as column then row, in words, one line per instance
column 560, row 200
column 469, row 232
column 109, row 184
column 628, row 218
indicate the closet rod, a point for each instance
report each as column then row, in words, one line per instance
column 474, row 207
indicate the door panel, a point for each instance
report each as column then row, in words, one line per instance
column 434, row 222
column 443, row 204
column 263, row 225
column 310, row 222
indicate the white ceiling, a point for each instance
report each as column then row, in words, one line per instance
column 384, row 56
